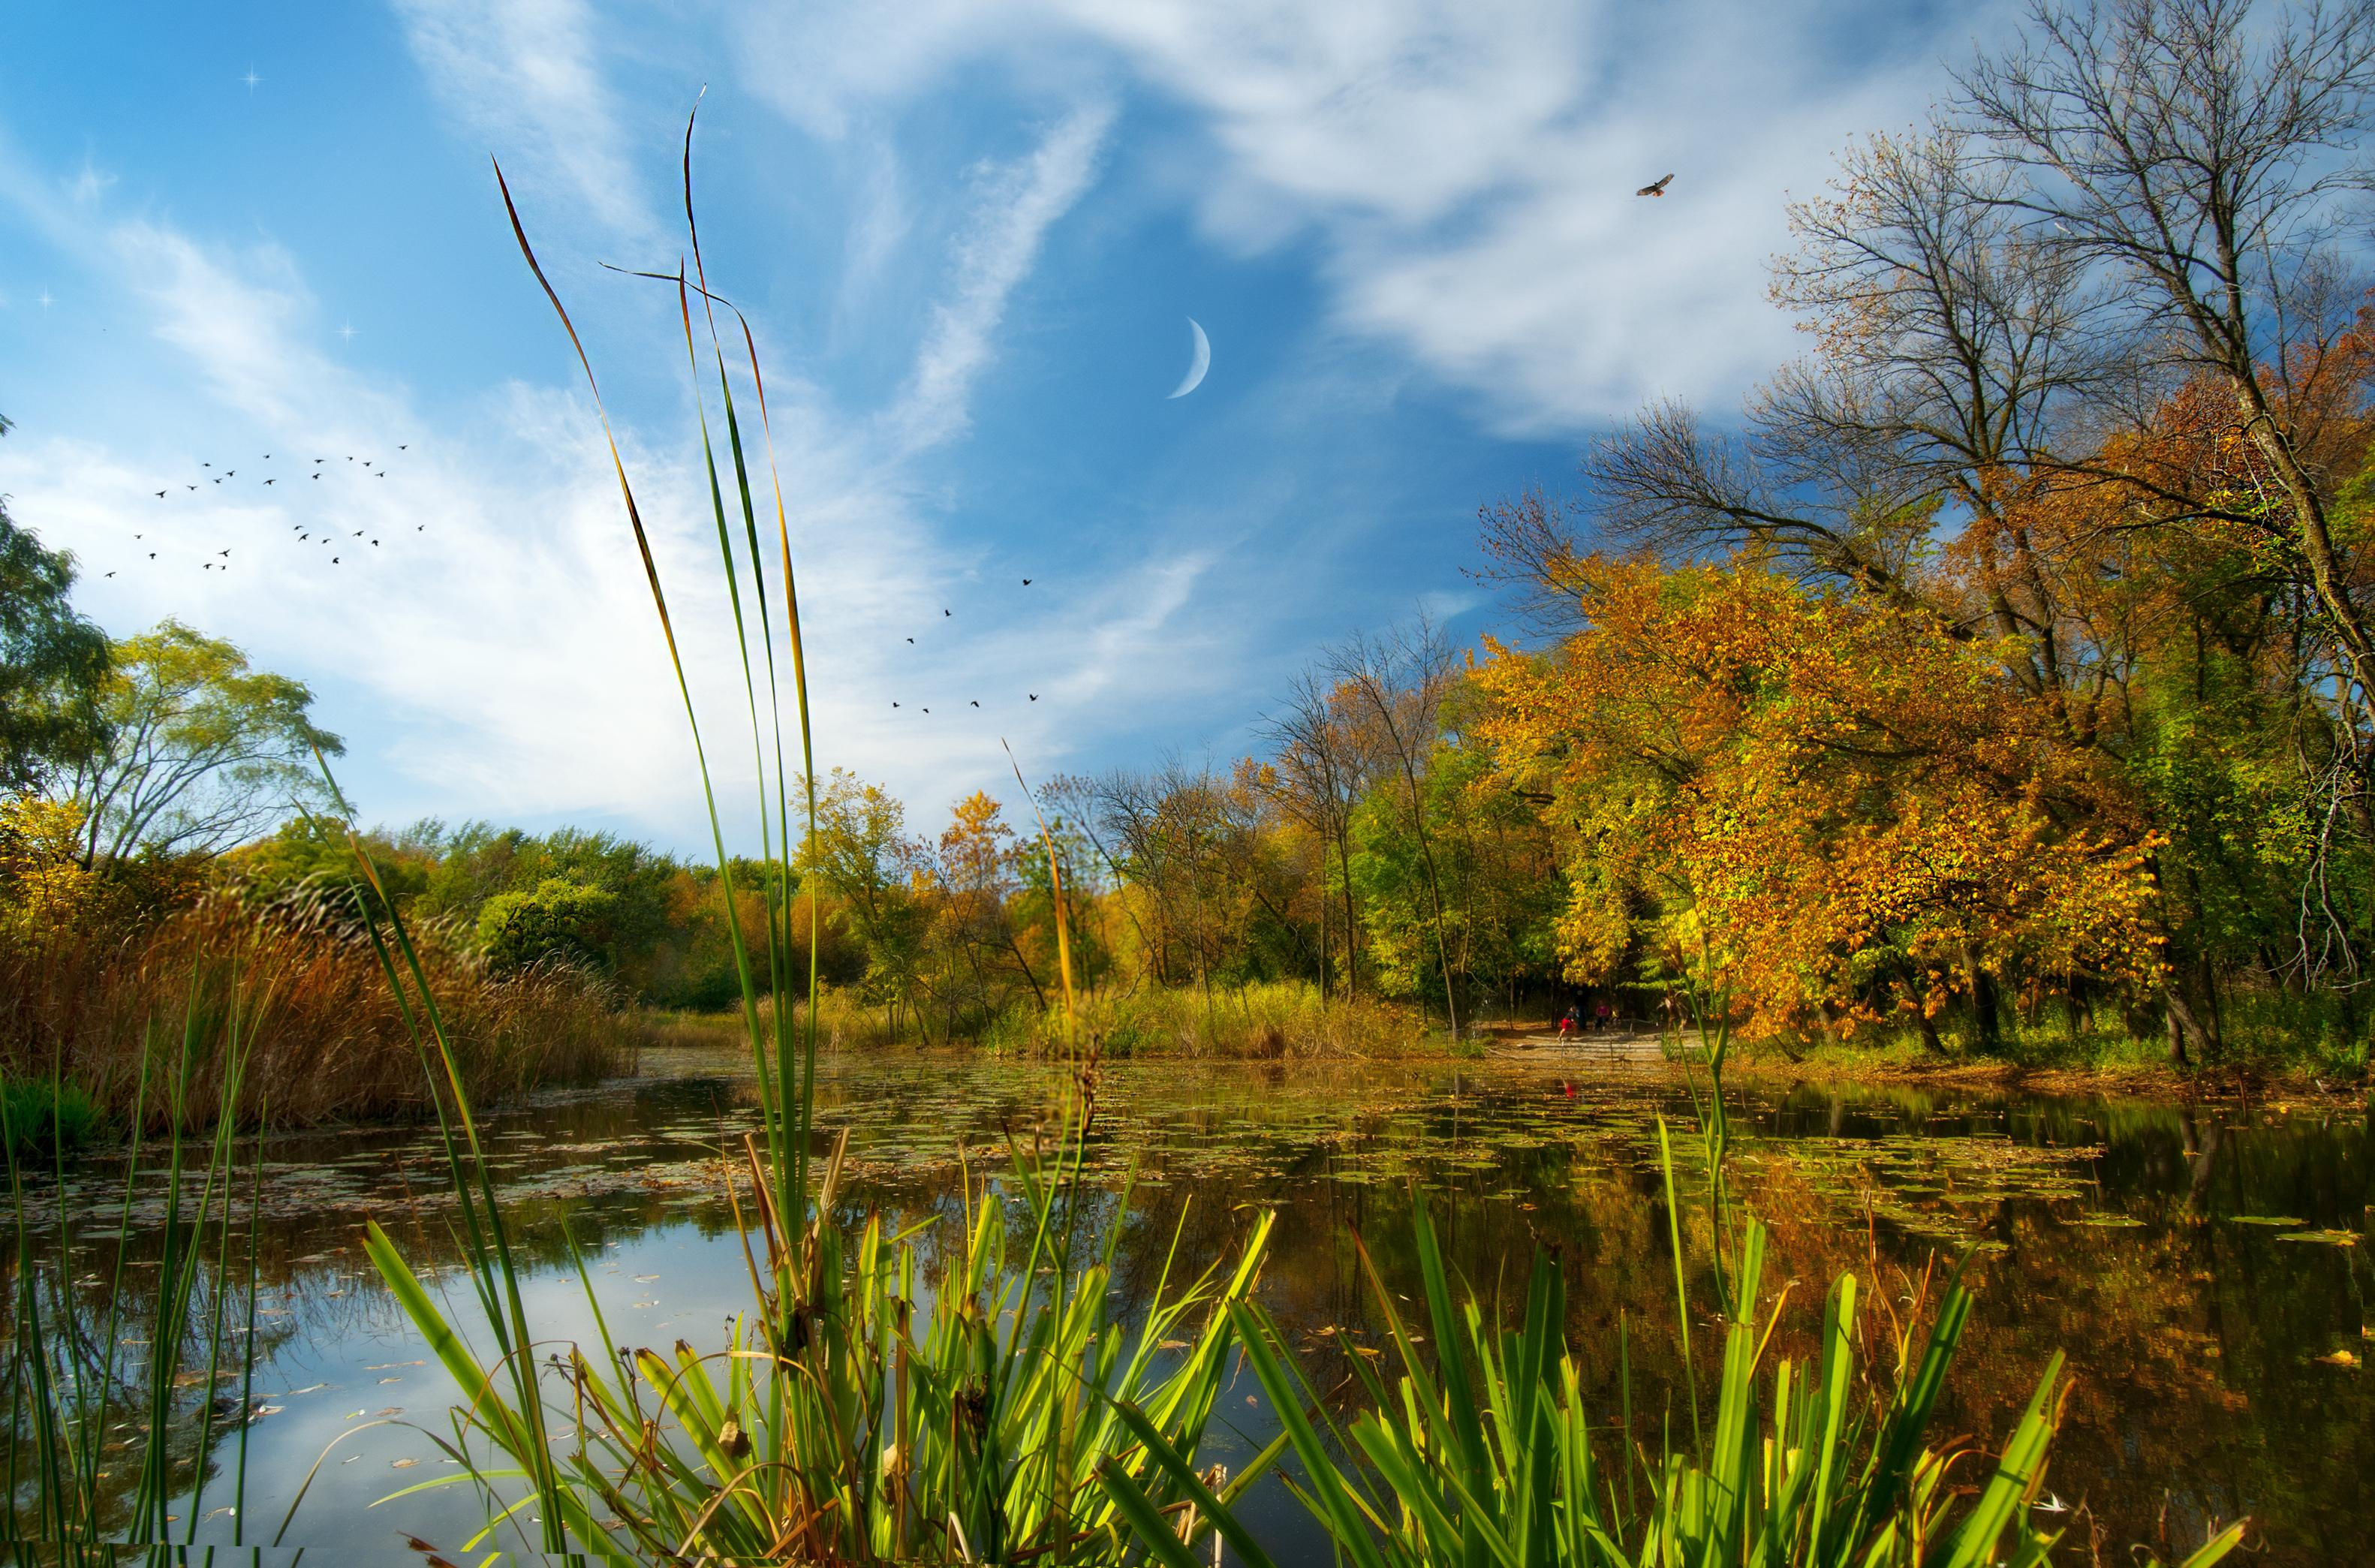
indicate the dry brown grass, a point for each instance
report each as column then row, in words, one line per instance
column 328, row 1039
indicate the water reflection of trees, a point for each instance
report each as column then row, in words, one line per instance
column 2191, row 1336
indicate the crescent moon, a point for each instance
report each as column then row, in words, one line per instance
column 1197, row 362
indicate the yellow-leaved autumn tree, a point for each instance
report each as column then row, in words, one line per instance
column 1839, row 808
column 44, row 886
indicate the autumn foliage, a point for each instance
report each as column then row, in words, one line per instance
column 1842, row 809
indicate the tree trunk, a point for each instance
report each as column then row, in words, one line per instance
column 1986, row 1008
column 2185, row 1031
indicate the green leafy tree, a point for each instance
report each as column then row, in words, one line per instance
column 200, row 750
column 556, row 919
column 877, row 873
column 52, row 662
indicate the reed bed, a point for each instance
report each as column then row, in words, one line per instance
column 74, row 1376
column 1266, row 1021
column 325, row 1038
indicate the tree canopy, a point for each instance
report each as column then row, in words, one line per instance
column 53, row 662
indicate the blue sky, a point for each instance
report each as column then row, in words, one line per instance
column 969, row 236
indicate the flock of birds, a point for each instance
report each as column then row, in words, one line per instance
column 947, row 614
column 306, row 533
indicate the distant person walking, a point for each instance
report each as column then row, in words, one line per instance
column 1599, row 1016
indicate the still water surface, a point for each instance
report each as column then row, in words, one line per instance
column 2201, row 1266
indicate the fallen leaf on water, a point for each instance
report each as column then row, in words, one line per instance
column 393, row 1411
column 390, row 1380
column 309, row 1388
column 268, row 1410
column 645, row 1278
column 384, row 1366
column 1173, row 1345
column 402, row 1464
column 2340, row 1358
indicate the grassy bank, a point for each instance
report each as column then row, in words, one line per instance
column 1268, row 1022
column 2045, row 1056
column 80, row 1006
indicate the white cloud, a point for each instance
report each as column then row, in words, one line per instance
column 1014, row 204
column 525, row 75
column 1467, row 166
column 496, row 650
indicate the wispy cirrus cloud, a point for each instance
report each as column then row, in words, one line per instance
column 526, row 75
column 1466, row 166
column 1013, row 205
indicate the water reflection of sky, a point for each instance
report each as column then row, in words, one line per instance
column 2195, row 1263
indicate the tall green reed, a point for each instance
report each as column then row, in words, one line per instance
column 67, row 1370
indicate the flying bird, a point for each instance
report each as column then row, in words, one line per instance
column 403, row 446
column 911, row 641
column 189, row 487
column 161, row 495
column 206, row 465
column 313, row 476
column 976, row 705
column 223, row 553
column 110, row 574
column 267, row 482
column 152, row 555
column 927, row 710
column 1035, row 696
column 231, row 473
column 944, row 612
column 894, row 705
column 1656, row 187
column 334, row 560
column 1026, row 582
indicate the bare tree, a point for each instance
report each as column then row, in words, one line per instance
column 1952, row 354
column 2199, row 152
column 1398, row 682
column 1324, row 770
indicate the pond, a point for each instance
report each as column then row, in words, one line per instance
column 2205, row 1269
